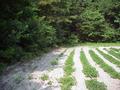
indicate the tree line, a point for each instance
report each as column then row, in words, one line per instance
column 29, row 27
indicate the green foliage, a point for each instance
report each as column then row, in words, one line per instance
column 68, row 81
column 24, row 34
column 18, row 79
column 2, row 66
column 54, row 62
column 73, row 39
column 50, row 83
column 68, row 64
column 109, row 33
column 100, row 44
column 95, row 85
column 92, row 26
column 30, row 77
column 45, row 77
column 88, row 70
column 30, row 27
column 39, row 31
column 85, row 20
column 11, row 54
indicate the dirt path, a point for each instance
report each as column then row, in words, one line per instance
column 79, row 76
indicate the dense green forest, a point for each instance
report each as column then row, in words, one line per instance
column 30, row 27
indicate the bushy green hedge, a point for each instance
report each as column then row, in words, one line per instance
column 23, row 33
column 29, row 27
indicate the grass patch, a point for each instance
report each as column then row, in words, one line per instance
column 54, row 62
column 95, row 85
column 68, row 68
column 88, row 70
column 44, row 77
column 112, row 52
column 2, row 67
column 105, row 66
column 109, row 58
column 30, row 77
column 18, row 79
column 99, row 44
column 68, row 81
column 50, row 83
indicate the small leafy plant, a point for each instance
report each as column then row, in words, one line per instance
column 30, row 77
column 18, row 79
column 95, row 85
column 54, row 62
column 45, row 77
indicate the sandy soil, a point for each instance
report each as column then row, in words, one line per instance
column 79, row 76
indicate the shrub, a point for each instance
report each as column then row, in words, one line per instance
column 54, row 62
column 45, row 77
column 2, row 66
column 73, row 39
